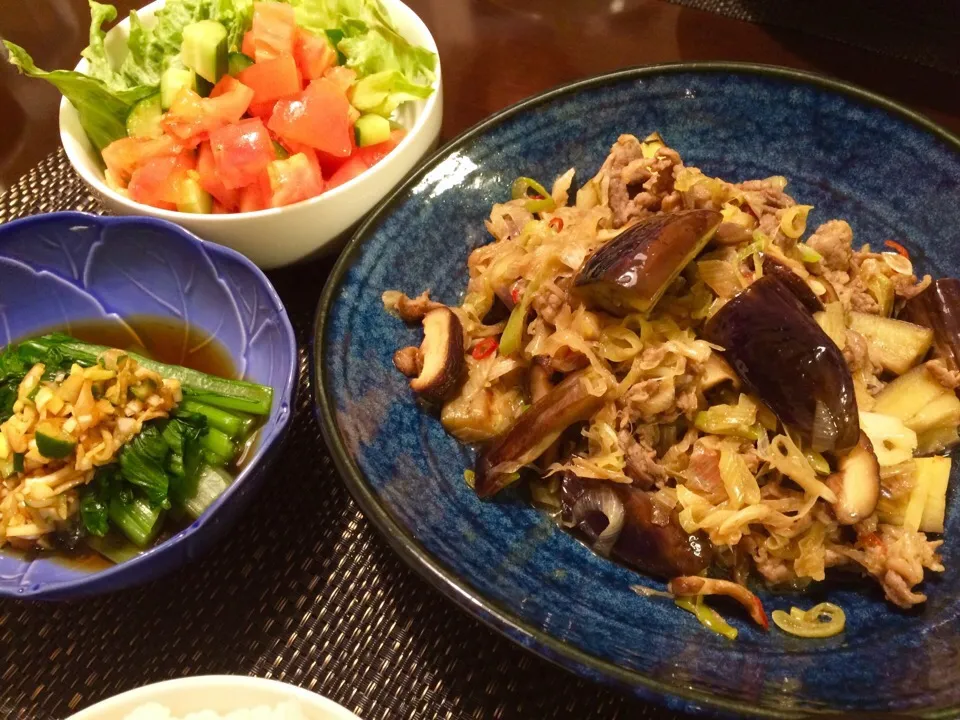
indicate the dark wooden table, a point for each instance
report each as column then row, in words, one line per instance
column 494, row 52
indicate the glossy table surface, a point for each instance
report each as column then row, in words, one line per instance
column 495, row 52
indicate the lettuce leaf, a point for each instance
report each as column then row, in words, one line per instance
column 104, row 95
column 152, row 50
column 385, row 91
column 371, row 42
column 103, row 112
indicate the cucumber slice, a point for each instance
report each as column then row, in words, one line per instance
column 203, row 87
column 280, row 150
column 53, row 442
column 372, row 130
column 173, row 80
column 18, row 462
column 193, row 198
column 144, row 118
column 238, row 62
column 204, row 49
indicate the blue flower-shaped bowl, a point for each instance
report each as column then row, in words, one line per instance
column 891, row 173
column 67, row 268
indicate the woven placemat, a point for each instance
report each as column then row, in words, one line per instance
column 925, row 32
column 304, row 590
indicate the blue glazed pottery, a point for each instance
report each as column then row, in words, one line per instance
column 67, row 268
column 853, row 155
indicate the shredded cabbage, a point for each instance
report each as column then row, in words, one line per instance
column 785, row 456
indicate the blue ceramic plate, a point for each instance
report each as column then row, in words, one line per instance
column 891, row 173
column 66, row 268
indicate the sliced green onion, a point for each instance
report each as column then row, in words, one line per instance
column 545, row 203
column 820, row 621
column 808, row 254
column 707, row 616
column 512, row 336
column 470, row 478
column 817, row 461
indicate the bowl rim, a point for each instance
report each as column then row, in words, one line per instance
column 98, row 182
column 285, row 692
column 400, row 538
column 263, row 448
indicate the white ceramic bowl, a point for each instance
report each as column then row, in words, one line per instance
column 220, row 693
column 281, row 236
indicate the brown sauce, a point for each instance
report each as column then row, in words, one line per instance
column 162, row 339
column 167, row 341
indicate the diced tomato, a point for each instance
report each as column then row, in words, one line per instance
column 241, row 151
column 191, row 117
column 123, row 156
column 251, row 198
column 248, row 45
column 342, row 77
column 327, row 163
column 318, row 117
column 273, row 31
column 372, row 154
column 293, row 148
column 157, row 182
column 232, row 100
column 315, row 55
column 211, row 182
column 219, row 209
column 348, row 171
column 271, row 80
column 292, row 180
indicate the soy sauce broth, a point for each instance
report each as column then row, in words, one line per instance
column 160, row 338
column 165, row 340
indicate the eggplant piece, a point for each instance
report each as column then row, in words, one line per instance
column 794, row 283
column 856, row 483
column 441, row 355
column 938, row 308
column 535, row 431
column 662, row 550
column 631, row 272
column 783, row 357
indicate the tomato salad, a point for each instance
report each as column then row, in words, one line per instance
column 228, row 106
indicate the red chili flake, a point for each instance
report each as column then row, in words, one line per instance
column 556, row 223
column 536, row 196
column 872, row 540
column 898, row 247
column 485, row 348
column 515, row 295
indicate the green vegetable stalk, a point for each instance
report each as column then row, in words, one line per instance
column 163, row 466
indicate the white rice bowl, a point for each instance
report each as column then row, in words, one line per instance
column 217, row 697
column 281, row 711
